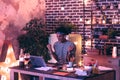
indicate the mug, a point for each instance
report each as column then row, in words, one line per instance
column 70, row 64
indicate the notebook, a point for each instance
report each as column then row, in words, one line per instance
column 37, row 61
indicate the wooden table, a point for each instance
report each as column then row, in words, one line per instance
column 107, row 75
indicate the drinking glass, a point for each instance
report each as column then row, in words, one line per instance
column 27, row 59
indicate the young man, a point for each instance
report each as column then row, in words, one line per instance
column 64, row 49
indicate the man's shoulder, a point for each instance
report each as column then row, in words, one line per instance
column 70, row 42
column 57, row 42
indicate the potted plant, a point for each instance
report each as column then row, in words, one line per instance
column 111, row 33
column 35, row 39
column 68, row 25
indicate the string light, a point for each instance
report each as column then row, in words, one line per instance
column 62, row 8
column 81, row 19
column 86, row 2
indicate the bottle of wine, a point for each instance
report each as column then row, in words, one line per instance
column 21, row 58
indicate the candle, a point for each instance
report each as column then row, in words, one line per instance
column 114, row 52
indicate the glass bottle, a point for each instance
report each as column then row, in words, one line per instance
column 95, row 69
column 21, row 58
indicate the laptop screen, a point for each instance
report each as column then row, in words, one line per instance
column 37, row 61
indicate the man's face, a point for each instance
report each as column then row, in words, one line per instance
column 61, row 37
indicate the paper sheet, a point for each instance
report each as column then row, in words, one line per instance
column 103, row 68
column 44, row 68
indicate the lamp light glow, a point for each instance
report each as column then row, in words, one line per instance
column 9, row 62
column 62, row 8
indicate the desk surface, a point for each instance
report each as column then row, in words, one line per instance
column 51, row 74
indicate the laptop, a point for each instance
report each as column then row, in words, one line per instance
column 37, row 61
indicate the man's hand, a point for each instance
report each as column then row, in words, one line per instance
column 70, row 48
column 69, row 56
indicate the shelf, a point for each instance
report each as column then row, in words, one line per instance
column 108, row 39
column 115, row 9
column 102, row 25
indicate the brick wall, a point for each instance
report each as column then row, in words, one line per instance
column 73, row 12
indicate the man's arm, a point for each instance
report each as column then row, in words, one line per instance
column 71, row 53
column 51, row 51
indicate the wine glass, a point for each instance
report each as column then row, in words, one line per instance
column 27, row 59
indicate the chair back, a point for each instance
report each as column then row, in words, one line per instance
column 77, row 39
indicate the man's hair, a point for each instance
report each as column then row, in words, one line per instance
column 62, row 30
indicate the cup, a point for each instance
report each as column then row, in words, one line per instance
column 70, row 64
